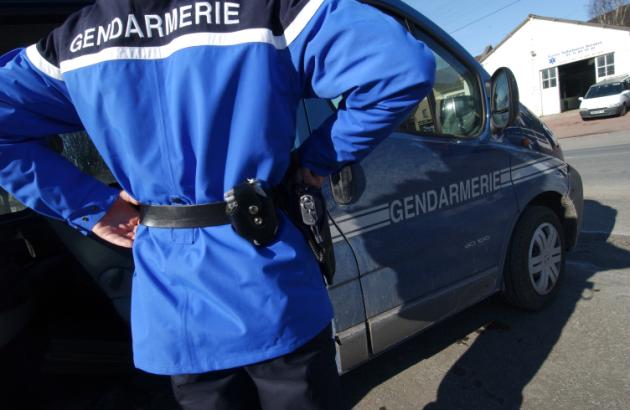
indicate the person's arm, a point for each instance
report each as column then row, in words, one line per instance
column 382, row 72
column 33, row 105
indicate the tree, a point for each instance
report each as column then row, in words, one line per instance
column 612, row 12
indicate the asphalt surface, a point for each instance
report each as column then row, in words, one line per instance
column 572, row 355
column 604, row 163
column 575, row 354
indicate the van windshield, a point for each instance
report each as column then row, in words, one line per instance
column 604, row 90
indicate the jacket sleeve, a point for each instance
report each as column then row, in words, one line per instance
column 382, row 72
column 34, row 104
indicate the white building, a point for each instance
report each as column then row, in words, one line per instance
column 556, row 60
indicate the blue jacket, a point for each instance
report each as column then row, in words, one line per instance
column 185, row 99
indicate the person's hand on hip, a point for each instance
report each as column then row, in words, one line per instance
column 119, row 224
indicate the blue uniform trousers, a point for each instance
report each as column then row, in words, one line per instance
column 304, row 379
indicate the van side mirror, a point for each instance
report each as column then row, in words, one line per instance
column 342, row 185
column 581, row 98
column 504, row 100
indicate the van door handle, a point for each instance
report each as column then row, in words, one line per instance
column 342, row 185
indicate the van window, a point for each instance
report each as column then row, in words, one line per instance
column 604, row 90
column 455, row 101
column 78, row 148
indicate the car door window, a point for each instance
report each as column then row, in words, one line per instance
column 8, row 204
column 455, row 106
column 78, row 148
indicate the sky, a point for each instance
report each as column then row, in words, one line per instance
column 476, row 24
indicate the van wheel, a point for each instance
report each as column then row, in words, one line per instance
column 535, row 265
column 623, row 110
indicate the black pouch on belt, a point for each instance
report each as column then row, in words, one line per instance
column 252, row 212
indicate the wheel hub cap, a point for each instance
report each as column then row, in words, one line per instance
column 545, row 258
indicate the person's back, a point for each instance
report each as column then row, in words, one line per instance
column 185, row 100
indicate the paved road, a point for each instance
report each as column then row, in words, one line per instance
column 604, row 163
column 573, row 355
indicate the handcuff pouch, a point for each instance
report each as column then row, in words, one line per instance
column 252, row 212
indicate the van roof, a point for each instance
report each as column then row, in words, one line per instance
column 616, row 79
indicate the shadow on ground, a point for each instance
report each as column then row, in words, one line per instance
column 510, row 345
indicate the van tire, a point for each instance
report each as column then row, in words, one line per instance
column 623, row 110
column 538, row 238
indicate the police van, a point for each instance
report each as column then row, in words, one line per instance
column 469, row 197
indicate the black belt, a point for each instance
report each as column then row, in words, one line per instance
column 184, row 216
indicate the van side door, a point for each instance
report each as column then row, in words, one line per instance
column 424, row 211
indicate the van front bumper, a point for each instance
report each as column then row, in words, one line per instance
column 600, row 112
column 573, row 204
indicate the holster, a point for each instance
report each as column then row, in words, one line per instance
column 304, row 203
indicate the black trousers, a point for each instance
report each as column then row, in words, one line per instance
column 304, row 379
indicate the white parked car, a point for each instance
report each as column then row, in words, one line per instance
column 607, row 98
